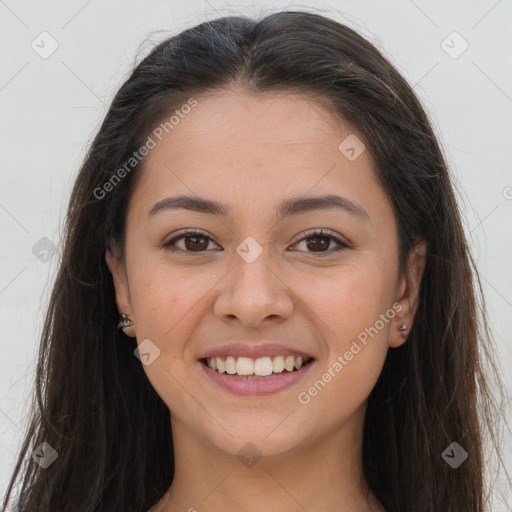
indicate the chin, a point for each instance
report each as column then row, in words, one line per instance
column 257, row 442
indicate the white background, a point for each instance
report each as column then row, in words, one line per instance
column 51, row 108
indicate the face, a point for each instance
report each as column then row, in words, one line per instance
column 258, row 274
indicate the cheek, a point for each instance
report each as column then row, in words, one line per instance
column 160, row 298
column 346, row 299
column 346, row 307
column 168, row 306
column 170, row 301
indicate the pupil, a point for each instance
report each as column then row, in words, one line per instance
column 195, row 238
column 316, row 238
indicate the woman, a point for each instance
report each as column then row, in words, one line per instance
column 266, row 300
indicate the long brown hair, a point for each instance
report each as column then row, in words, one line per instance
column 93, row 403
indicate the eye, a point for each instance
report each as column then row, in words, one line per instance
column 322, row 240
column 194, row 241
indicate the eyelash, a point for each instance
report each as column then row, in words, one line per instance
column 190, row 232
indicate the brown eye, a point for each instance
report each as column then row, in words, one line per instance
column 193, row 241
column 319, row 241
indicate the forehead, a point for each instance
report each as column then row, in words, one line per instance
column 229, row 116
column 259, row 147
column 280, row 117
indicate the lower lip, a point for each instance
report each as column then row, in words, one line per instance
column 271, row 384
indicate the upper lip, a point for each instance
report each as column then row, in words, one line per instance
column 254, row 350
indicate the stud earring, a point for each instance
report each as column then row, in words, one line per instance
column 402, row 327
column 124, row 321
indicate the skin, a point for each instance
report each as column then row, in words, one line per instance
column 311, row 455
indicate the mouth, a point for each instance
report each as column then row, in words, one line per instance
column 249, row 368
column 256, row 376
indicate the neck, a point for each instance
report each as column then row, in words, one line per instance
column 316, row 476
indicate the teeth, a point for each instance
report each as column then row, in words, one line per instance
column 262, row 366
column 230, row 365
column 278, row 364
column 289, row 363
column 245, row 366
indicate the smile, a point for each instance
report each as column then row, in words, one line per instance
column 261, row 366
column 256, row 376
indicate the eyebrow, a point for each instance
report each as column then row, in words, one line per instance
column 293, row 206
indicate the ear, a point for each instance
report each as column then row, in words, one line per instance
column 123, row 299
column 408, row 294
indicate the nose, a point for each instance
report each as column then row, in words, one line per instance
column 254, row 293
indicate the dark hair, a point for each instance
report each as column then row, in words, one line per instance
column 94, row 404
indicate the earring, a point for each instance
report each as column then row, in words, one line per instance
column 124, row 321
column 402, row 327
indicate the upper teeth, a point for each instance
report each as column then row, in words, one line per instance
column 261, row 366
